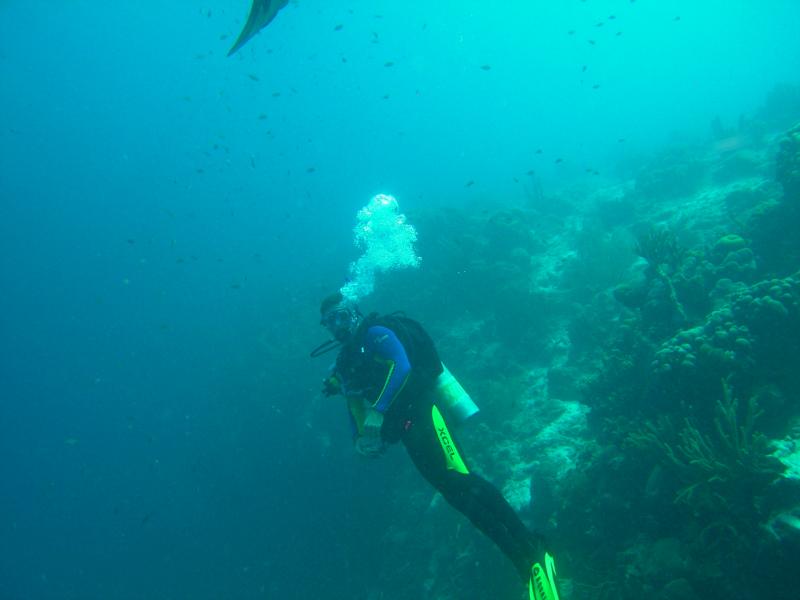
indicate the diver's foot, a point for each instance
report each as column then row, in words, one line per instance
column 542, row 583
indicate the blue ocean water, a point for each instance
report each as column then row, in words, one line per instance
column 171, row 218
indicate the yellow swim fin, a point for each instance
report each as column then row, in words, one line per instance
column 542, row 585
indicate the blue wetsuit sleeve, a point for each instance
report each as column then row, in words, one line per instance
column 383, row 344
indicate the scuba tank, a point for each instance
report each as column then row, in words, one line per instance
column 452, row 397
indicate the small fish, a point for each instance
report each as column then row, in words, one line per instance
column 559, row 160
column 621, row 141
column 611, row 17
column 583, row 69
column 236, row 286
column 596, row 86
column 470, row 183
column 592, row 42
column 131, row 241
column 276, row 94
column 619, row 33
column 338, row 27
column 531, row 172
column 310, row 170
column 538, row 151
column 252, row 162
column 486, row 67
column 386, row 96
column 678, row 18
column 388, row 64
column 571, row 32
column 262, row 116
column 254, row 77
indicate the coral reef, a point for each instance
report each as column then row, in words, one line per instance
column 725, row 473
column 720, row 468
column 788, row 165
column 660, row 248
column 744, row 163
column 677, row 172
column 604, row 340
column 759, row 327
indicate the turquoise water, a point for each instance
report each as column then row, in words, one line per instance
column 172, row 217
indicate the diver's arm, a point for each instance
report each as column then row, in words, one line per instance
column 387, row 349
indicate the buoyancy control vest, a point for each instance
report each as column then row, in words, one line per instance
column 360, row 374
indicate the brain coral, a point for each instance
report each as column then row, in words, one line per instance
column 755, row 328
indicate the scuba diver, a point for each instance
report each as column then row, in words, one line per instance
column 388, row 369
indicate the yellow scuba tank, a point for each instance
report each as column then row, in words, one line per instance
column 452, row 397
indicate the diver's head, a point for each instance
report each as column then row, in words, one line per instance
column 340, row 316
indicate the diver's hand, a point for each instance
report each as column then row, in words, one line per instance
column 370, row 447
column 370, row 443
column 373, row 423
column 331, row 386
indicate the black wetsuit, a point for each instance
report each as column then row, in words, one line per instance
column 392, row 361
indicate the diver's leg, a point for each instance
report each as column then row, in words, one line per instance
column 471, row 494
column 526, row 545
